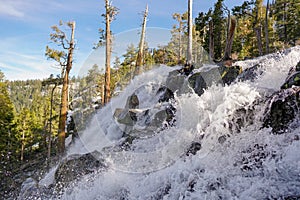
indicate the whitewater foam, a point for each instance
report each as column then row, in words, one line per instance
column 249, row 164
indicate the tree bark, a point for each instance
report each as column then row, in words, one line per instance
column 190, row 33
column 266, row 29
column 211, row 40
column 107, row 52
column 140, row 56
column 229, row 40
column 257, row 31
column 180, row 43
column 50, row 124
column 102, row 94
column 64, row 97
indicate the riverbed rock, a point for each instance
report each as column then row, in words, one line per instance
column 292, row 80
column 145, row 122
column 76, row 166
column 229, row 74
column 282, row 109
column 29, row 190
column 177, row 82
column 250, row 74
column 200, row 81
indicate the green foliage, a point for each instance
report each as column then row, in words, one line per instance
column 6, row 121
column 8, row 141
column 29, row 130
column 219, row 29
column 287, row 16
column 202, row 24
column 32, row 107
column 58, row 56
column 85, row 97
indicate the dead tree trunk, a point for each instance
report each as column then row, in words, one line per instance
column 50, row 125
column 107, row 52
column 267, row 29
column 190, row 33
column 102, row 94
column 211, row 40
column 180, row 44
column 257, row 31
column 230, row 37
column 64, row 96
column 140, row 56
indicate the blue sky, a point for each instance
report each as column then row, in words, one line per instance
column 25, row 28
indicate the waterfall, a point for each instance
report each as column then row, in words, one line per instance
column 238, row 158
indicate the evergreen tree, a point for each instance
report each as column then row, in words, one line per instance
column 7, row 139
column 202, row 26
column 65, row 60
column 287, row 16
column 218, row 30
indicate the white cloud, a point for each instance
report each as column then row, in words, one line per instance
column 11, row 9
column 18, row 66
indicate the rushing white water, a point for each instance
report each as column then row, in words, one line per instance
column 248, row 164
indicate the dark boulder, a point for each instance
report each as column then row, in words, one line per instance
column 202, row 80
column 229, row 74
column 177, row 82
column 292, row 80
column 298, row 67
column 125, row 116
column 187, row 69
column 132, row 102
column 282, row 109
column 250, row 73
column 30, row 190
column 139, row 122
column 293, row 77
column 194, row 148
column 164, row 94
column 76, row 166
column 221, row 75
column 294, row 69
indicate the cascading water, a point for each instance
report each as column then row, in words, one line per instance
column 245, row 163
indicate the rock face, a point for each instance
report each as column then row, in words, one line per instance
column 283, row 108
column 29, row 190
column 222, row 75
column 292, row 80
column 177, row 82
column 229, row 74
column 142, row 122
column 250, row 73
column 76, row 166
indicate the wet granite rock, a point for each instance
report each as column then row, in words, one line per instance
column 282, row 109
column 292, row 80
column 76, row 166
column 250, row 73
column 200, row 81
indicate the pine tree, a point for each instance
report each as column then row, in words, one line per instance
column 287, row 16
column 65, row 60
column 189, row 59
column 218, row 29
column 110, row 13
column 178, row 42
column 140, row 55
column 7, row 139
